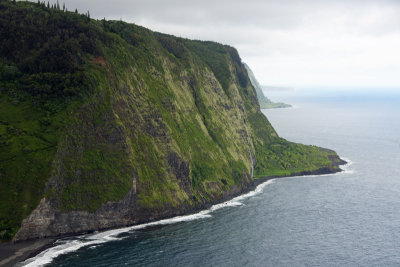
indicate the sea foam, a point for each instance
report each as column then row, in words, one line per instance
column 346, row 167
column 65, row 246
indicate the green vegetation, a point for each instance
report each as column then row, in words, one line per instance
column 91, row 109
column 274, row 105
column 285, row 158
column 217, row 56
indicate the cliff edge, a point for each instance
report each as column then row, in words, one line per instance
column 105, row 124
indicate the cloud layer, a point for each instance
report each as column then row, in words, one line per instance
column 286, row 43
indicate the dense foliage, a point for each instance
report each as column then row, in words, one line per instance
column 90, row 109
column 43, row 50
column 43, row 57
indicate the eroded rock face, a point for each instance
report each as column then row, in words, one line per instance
column 37, row 222
column 46, row 220
column 181, row 170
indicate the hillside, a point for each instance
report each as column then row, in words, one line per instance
column 264, row 101
column 105, row 124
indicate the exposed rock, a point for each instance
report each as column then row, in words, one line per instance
column 142, row 126
column 181, row 170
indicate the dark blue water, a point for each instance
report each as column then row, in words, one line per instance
column 346, row 219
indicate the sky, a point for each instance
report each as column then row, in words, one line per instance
column 289, row 43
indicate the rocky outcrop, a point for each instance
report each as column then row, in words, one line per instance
column 181, row 170
column 47, row 221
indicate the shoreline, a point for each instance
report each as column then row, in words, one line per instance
column 13, row 253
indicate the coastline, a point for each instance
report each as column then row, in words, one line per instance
column 13, row 253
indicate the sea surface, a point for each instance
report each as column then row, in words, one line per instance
column 347, row 219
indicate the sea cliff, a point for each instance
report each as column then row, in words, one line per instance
column 265, row 102
column 106, row 124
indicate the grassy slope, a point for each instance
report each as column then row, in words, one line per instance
column 91, row 109
column 274, row 105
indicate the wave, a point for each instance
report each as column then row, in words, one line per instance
column 65, row 246
column 68, row 245
column 346, row 167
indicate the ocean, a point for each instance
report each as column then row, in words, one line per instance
column 350, row 218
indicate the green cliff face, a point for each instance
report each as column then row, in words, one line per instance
column 93, row 112
column 264, row 101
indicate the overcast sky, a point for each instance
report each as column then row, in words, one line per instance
column 286, row 43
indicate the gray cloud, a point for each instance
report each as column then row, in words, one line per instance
column 287, row 42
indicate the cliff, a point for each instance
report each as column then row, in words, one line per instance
column 264, row 101
column 105, row 124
